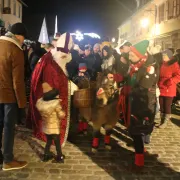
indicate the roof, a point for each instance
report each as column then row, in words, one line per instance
column 23, row 3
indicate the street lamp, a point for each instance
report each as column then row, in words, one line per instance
column 145, row 22
column 113, row 40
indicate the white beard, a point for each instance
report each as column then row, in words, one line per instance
column 61, row 59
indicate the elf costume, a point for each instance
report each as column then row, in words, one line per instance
column 138, row 98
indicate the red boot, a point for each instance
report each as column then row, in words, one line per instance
column 139, row 164
column 139, row 160
column 107, row 142
column 95, row 145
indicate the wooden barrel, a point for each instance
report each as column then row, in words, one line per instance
column 82, row 98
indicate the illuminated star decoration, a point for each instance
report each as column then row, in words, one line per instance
column 93, row 35
column 80, row 36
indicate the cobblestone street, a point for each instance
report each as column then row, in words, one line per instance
column 162, row 160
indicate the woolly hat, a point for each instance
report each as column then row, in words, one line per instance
column 87, row 47
column 168, row 52
column 82, row 47
column 140, row 48
column 82, row 66
column 97, row 45
column 127, row 44
column 48, row 92
column 19, row 29
column 65, row 43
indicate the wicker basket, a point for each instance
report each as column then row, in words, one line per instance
column 82, row 98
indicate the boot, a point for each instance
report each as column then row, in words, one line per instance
column 59, row 159
column 164, row 121
column 107, row 142
column 95, row 145
column 138, row 166
column 47, row 157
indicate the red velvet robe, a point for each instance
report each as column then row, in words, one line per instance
column 47, row 70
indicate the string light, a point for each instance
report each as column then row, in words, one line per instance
column 80, row 36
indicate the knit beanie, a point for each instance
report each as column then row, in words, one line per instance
column 127, row 44
column 140, row 48
column 19, row 29
column 87, row 47
column 82, row 66
column 168, row 52
column 82, row 47
column 97, row 45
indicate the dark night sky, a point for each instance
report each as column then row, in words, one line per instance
column 99, row 16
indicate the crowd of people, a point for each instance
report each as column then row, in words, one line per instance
column 48, row 74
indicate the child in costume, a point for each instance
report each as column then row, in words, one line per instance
column 83, row 81
column 83, row 77
column 51, row 112
column 141, row 83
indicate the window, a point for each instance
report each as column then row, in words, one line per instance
column 161, row 13
column 170, row 9
column 14, row 7
column 19, row 11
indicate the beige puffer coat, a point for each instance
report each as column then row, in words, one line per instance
column 52, row 113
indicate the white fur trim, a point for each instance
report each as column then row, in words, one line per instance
column 11, row 40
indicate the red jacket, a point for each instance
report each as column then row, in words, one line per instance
column 169, row 77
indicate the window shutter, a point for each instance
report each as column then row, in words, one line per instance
column 174, row 8
column 170, row 9
column 166, row 10
column 177, row 7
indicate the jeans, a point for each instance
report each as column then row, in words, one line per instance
column 8, row 119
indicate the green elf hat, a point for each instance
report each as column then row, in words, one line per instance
column 140, row 48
